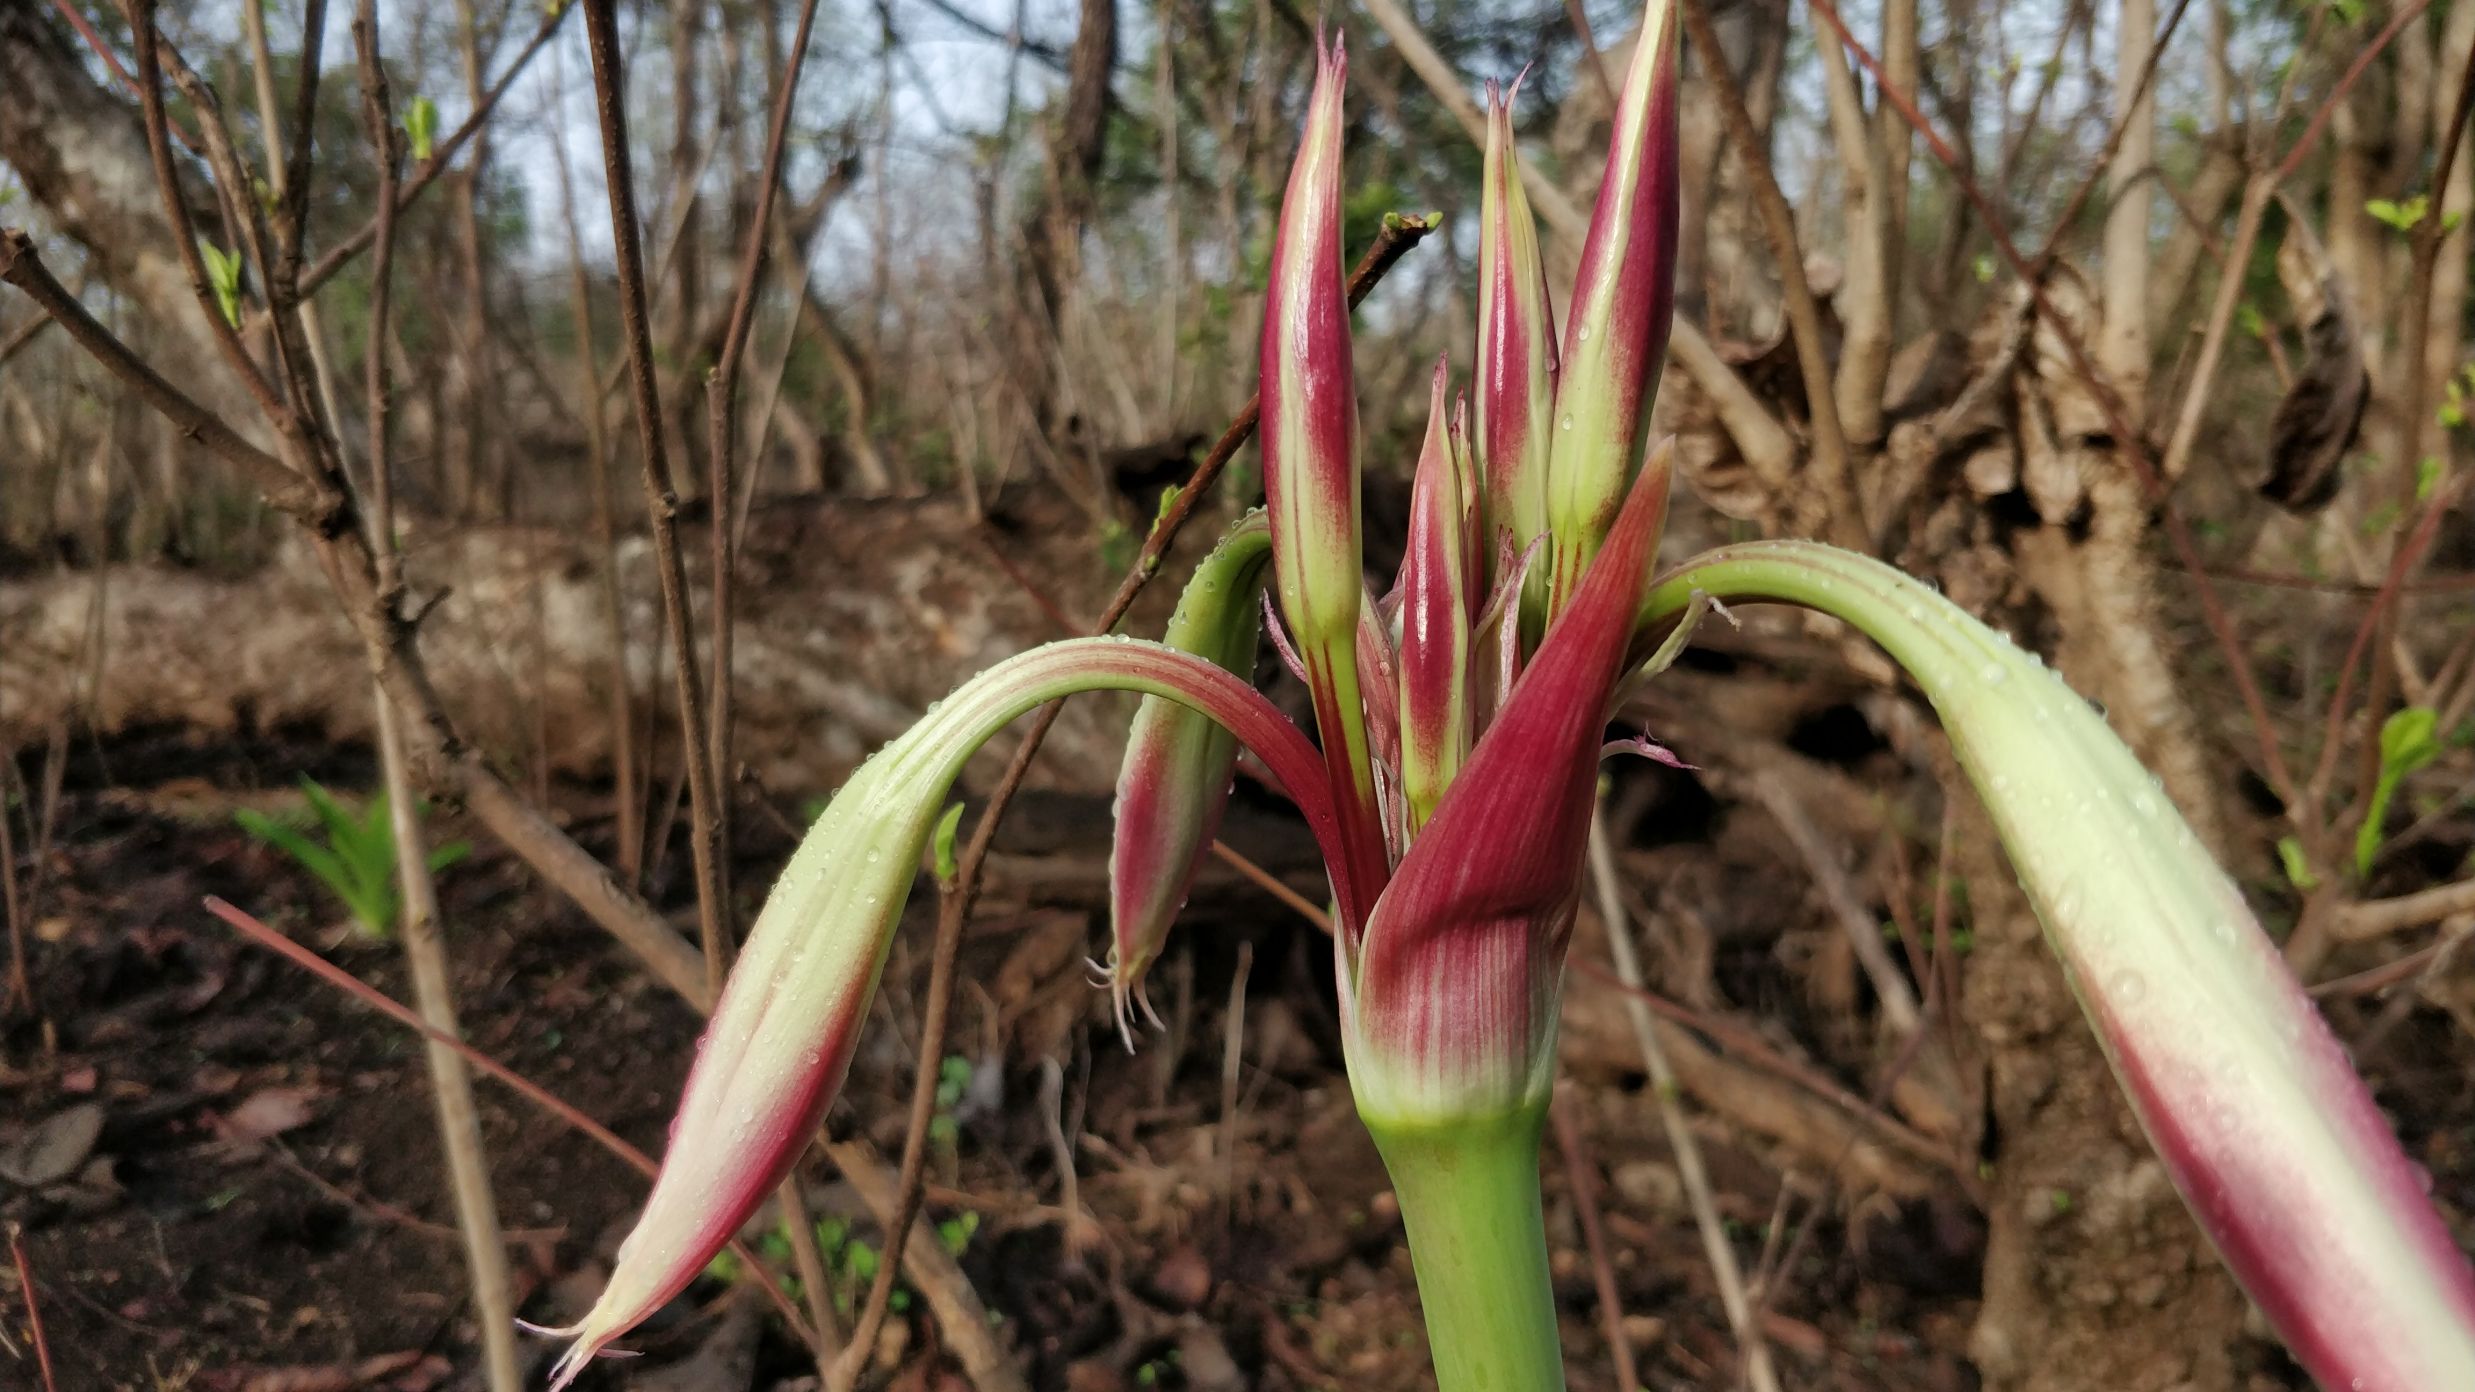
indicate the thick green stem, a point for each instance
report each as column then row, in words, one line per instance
column 1469, row 1195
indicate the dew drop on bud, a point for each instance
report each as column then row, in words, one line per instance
column 1566, row 423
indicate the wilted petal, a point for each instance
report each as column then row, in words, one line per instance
column 1449, row 1007
column 1615, row 335
column 1435, row 624
column 1516, row 371
column 1310, row 461
column 2247, row 1096
column 1179, row 761
column 776, row 1049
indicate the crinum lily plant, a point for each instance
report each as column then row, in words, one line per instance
column 1459, row 724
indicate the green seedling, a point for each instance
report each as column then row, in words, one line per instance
column 357, row 861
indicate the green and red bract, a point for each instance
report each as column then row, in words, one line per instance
column 1514, row 373
column 1310, row 462
column 782, row 1036
column 1449, row 996
column 1438, row 603
column 1179, row 762
column 1623, row 301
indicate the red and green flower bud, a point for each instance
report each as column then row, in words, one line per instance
column 1435, row 623
column 2248, row 1098
column 1516, row 372
column 775, row 1052
column 1615, row 332
column 1310, row 460
column 1449, row 1005
column 1179, row 762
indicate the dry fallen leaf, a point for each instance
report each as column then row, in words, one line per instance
column 270, row 1112
column 53, row 1150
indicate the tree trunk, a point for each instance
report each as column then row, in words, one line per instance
column 1051, row 232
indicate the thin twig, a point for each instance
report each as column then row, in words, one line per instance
column 2121, row 125
column 441, row 155
column 601, row 26
column 1399, row 234
column 292, row 200
column 2379, row 917
column 2372, row 980
column 1856, row 923
column 34, row 1312
column 420, row 922
column 542, row 1097
column 1739, row 1043
column 21, row 986
column 722, row 420
column 1272, row 884
column 22, row 335
column 176, row 211
column 1582, row 1177
column 2398, row 21
column 964, row 1323
column 627, row 796
column 1724, row 1269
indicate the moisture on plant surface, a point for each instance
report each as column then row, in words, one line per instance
column 1638, row 696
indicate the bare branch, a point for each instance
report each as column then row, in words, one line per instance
column 661, row 497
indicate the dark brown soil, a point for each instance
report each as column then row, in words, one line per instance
column 1253, row 1249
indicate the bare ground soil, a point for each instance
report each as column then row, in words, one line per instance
column 227, row 1176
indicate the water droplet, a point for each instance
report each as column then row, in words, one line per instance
column 2128, row 986
column 1916, row 613
column 1566, row 423
column 2000, row 782
column 1992, row 674
column 1582, row 332
column 2144, row 804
